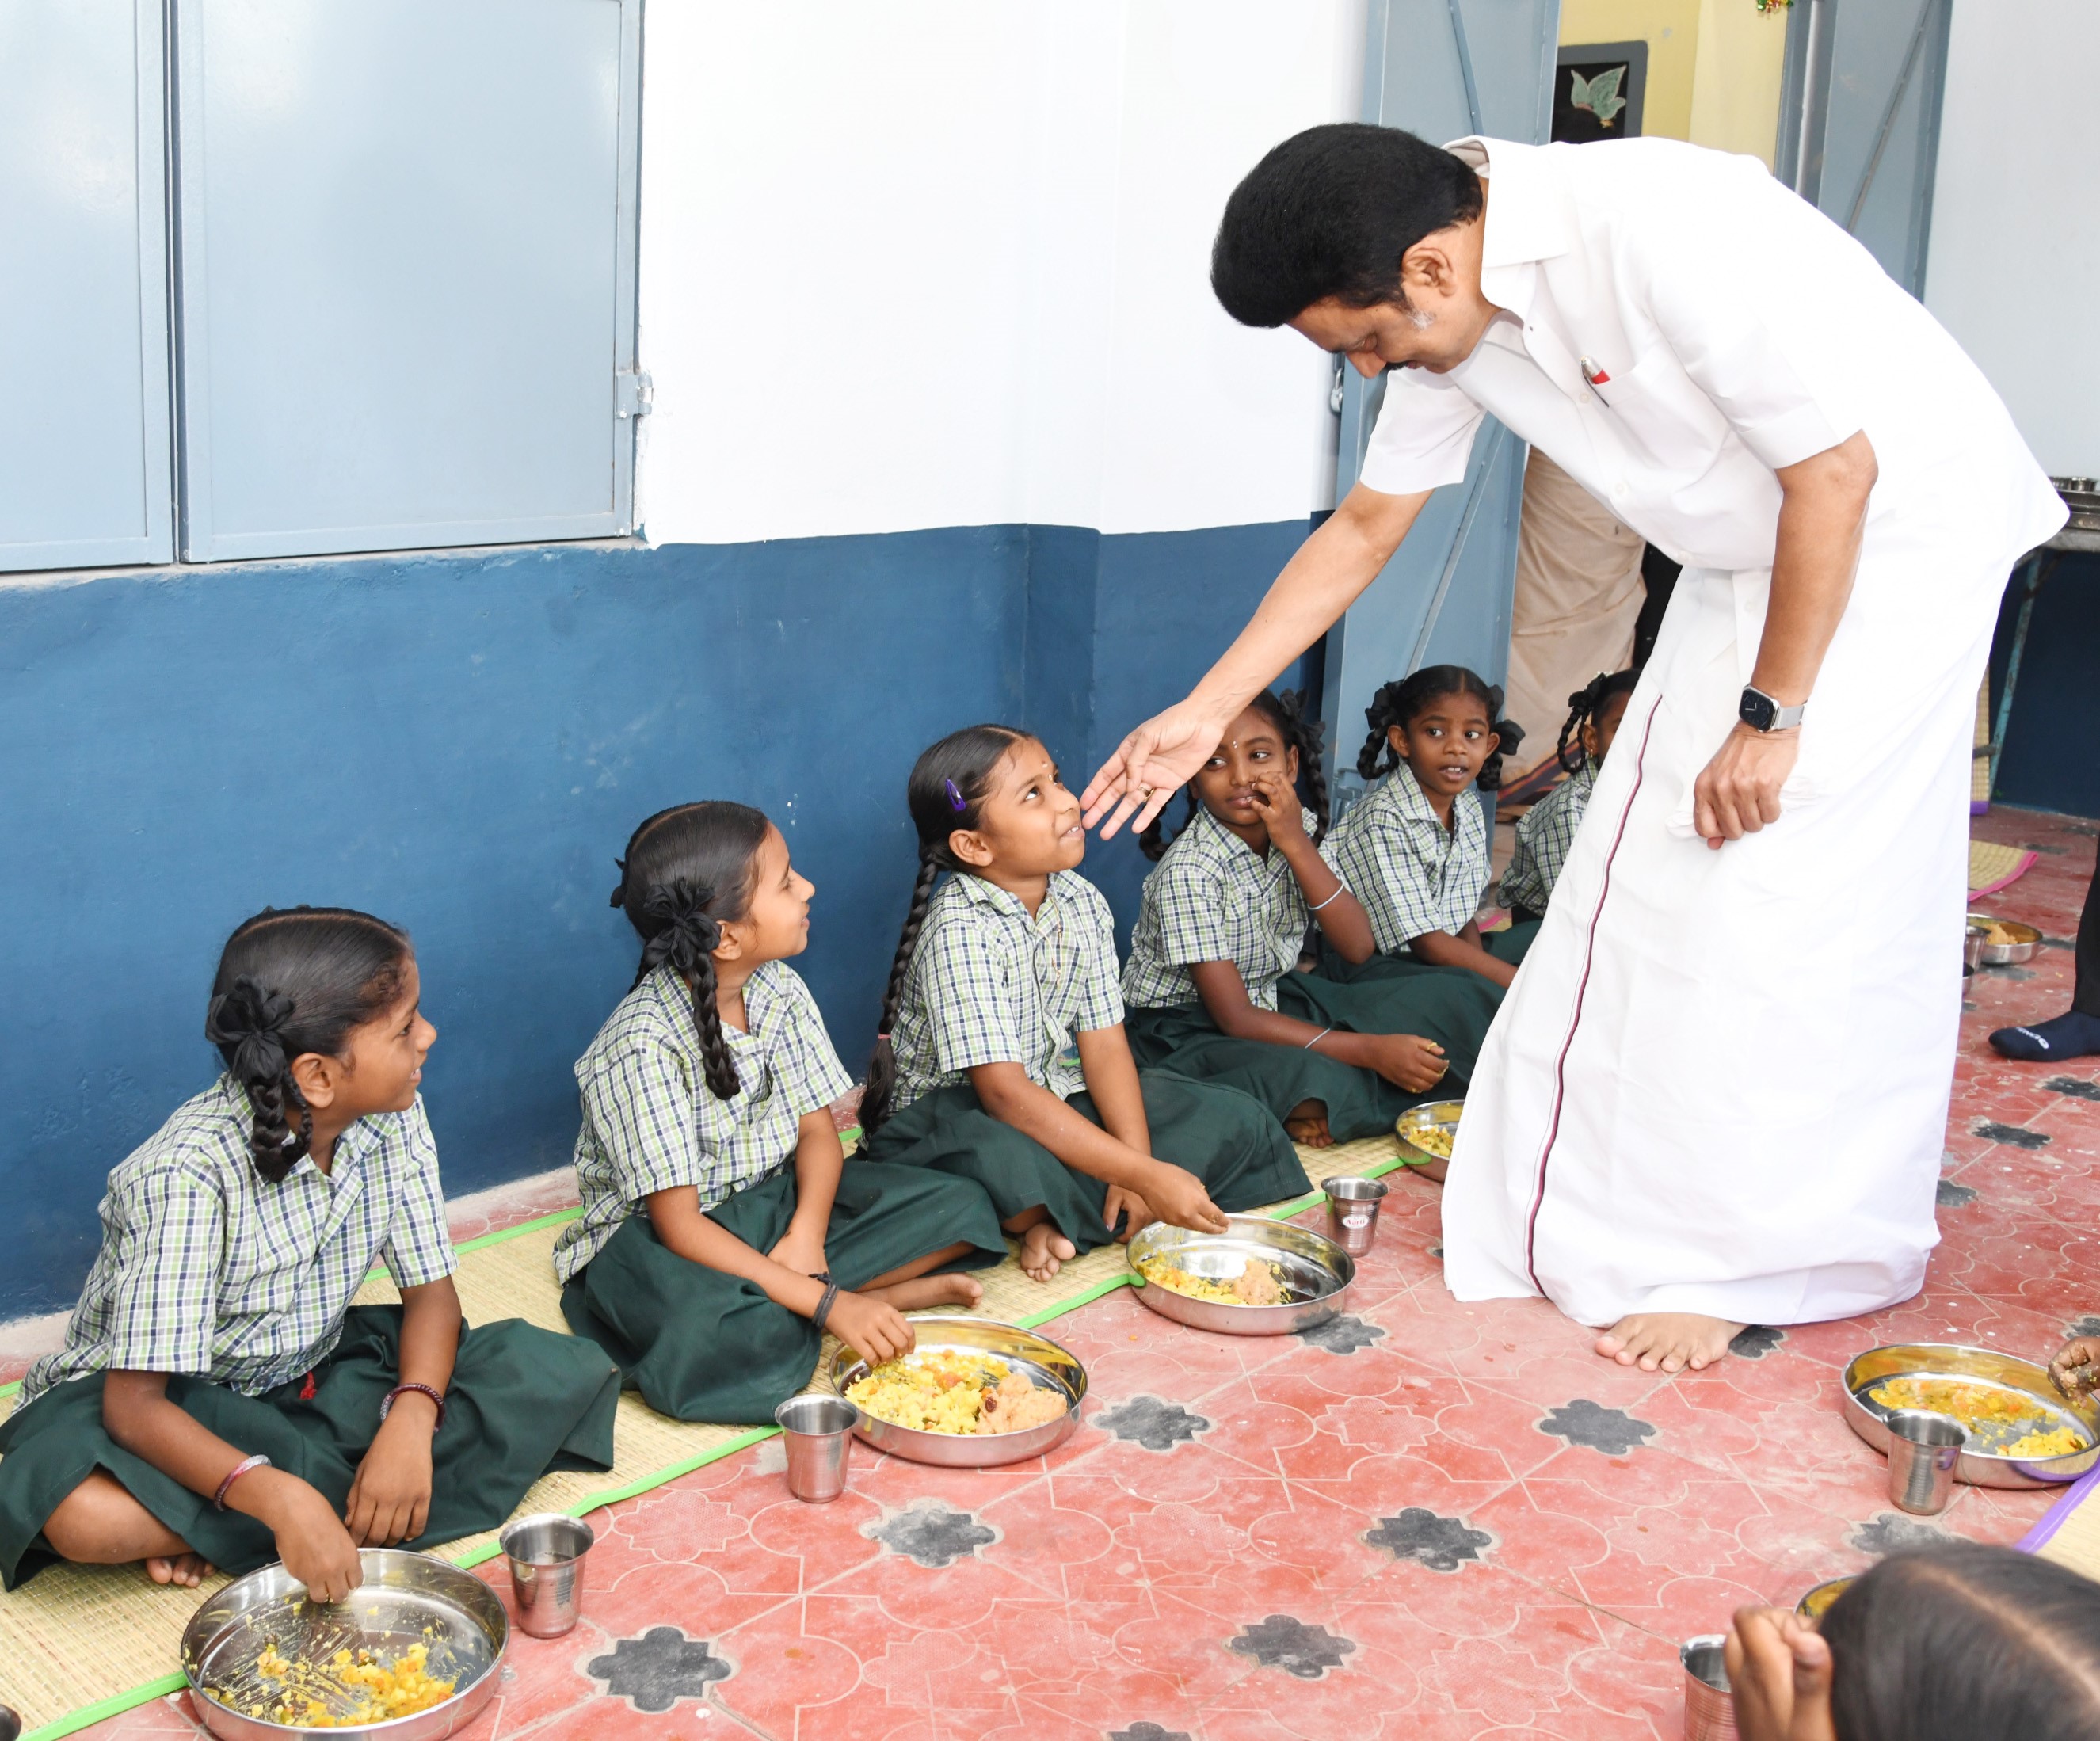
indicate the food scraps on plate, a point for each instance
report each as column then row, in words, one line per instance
column 1257, row 1284
column 942, row 1390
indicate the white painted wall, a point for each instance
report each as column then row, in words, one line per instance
column 2014, row 266
column 946, row 262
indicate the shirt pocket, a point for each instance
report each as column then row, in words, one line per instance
column 1663, row 415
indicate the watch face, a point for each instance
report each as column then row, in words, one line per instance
column 1758, row 710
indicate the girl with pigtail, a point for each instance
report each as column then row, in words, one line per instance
column 1006, row 964
column 219, row 1402
column 1210, row 982
column 723, row 1230
column 1546, row 832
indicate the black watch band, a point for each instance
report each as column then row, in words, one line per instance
column 1760, row 712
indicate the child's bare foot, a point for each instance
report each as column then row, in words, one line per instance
column 1044, row 1250
column 1667, row 1341
column 188, row 1570
column 929, row 1290
column 1307, row 1123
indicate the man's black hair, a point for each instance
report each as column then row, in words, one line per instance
column 1329, row 212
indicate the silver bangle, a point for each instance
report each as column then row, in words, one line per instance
column 1315, row 1039
column 1340, row 890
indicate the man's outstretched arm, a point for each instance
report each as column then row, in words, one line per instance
column 1321, row 581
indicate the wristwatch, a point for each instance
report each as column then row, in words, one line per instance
column 1760, row 712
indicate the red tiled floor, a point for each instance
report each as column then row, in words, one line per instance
column 1386, row 1542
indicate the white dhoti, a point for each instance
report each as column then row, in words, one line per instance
column 1720, row 1083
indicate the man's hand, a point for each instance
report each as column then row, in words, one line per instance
column 389, row 1500
column 1151, row 765
column 1738, row 793
column 1778, row 1669
column 801, row 1251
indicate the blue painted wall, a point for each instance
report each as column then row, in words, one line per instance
column 462, row 744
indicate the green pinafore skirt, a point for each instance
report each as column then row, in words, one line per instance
column 522, row 1402
column 1229, row 1139
column 702, row 1345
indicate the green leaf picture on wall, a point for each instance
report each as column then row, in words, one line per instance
column 1600, row 95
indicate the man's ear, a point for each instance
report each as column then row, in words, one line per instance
column 1428, row 266
column 971, row 846
column 318, row 1077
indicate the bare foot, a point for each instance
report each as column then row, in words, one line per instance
column 1667, row 1341
column 929, row 1290
column 188, row 1570
column 1308, row 1124
column 1044, row 1250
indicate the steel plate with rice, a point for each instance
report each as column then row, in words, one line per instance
column 953, row 1344
column 2023, row 1433
column 1426, row 1132
column 265, row 1663
column 1309, row 1274
column 2003, row 942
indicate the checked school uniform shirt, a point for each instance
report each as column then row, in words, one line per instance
column 1544, row 833
column 989, row 984
column 1212, row 898
column 1411, row 875
column 208, row 1270
column 650, row 1121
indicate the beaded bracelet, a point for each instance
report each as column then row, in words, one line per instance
column 437, row 1396
column 233, row 1474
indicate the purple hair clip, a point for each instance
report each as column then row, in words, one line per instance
column 956, row 800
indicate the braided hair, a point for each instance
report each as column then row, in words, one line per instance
column 686, row 870
column 1285, row 710
column 1405, row 700
column 291, row 982
column 1587, row 706
column 946, row 792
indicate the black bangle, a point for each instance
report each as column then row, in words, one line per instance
column 824, row 1306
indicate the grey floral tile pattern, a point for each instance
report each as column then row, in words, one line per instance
column 1611, row 1430
column 1156, row 1424
column 1344, row 1334
column 1419, row 1534
column 931, row 1534
column 1149, row 1732
column 2077, row 1087
column 1948, row 1195
column 1890, row 1531
column 2015, row 1134
column 2088, row 1326
column 1280, row 1641
column 1755, row 1341
column 653, row 1672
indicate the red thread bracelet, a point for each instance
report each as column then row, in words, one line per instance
column 233, row 1474
column 386, row 1407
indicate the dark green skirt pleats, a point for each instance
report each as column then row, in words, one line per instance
column 701, row 1345
column 1227, row 1139
column 522, row 1402
column 1359, row 1102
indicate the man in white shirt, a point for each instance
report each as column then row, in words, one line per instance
column 1717, row 1094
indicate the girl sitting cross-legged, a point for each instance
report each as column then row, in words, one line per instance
column 723, row 1229
column 1209, row 981
column 219, row 1401
column 1547, row 829
column 1415, row 850
column 1001, row 969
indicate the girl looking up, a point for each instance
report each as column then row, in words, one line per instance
column 1546, row 832
column 723, row 1229
column 1210, row 982
column 1415, row 850
column 1001, row 969
column 219, row 1402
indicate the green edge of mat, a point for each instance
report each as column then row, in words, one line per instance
column 119, row 1703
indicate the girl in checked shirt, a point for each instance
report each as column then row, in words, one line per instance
column 219, row 1402
column 723, row 1229
column 1002, row 1058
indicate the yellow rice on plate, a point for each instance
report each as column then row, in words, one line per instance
column 1257, row 1284
column 944, row 1391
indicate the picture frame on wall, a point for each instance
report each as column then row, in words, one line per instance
column 1599, row 89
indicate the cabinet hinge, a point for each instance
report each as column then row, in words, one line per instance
column 634, row 392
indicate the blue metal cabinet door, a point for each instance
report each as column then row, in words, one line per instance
column 1858, row 132
column 1442, row 69
column 406, row 250
column 84, row 467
